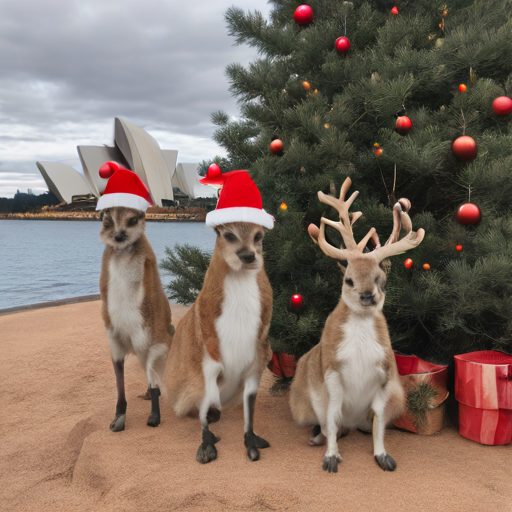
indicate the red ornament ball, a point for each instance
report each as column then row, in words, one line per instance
column 458, row 247
column 426, row 266
column 276, row 147
column 297, row 301
column 502, row 106
column 403, row 125
column 468, row 213
column 342, row 45
column 465, row 148
column 394, row 10
column 462, row 87
column 303, row 15
column 408, row 263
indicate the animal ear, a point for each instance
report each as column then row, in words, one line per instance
column 386, row 266
column 217, row 231
column 343, row 268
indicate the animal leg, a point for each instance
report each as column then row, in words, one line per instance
column 211, row 371
column 317, row 439
column 155, row 366
column 335, row 392
column 119, row 421
column 251, row 440
column 385, row 461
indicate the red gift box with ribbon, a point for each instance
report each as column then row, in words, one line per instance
column 483, row 388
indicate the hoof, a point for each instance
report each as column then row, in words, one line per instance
column 118, row 424
column 386, row 462
column 318, row 440
column 206, row 454
column 154, row 420
column 213, row 415
column 330, row 464
column 252, row 443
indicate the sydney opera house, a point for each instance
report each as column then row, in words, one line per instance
column 138, row 151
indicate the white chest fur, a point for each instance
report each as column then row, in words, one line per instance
column 361, row 357
column 125, row 294
column 237, row 328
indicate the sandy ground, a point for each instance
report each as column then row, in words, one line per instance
column 57, row 398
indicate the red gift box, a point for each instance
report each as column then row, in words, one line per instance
column 483, row 388
column 419, row 376
column 282, row 365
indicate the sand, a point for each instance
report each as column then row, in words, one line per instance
column 57, row 453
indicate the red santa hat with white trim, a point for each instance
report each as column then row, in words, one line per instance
column 124, row 188
column 239, row 201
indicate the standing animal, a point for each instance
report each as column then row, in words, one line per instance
column 221, row 346
column 352, row 374
column 135, row 310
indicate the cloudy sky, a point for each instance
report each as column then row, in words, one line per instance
column 68, row 67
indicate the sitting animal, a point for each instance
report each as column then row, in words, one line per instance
column 135, row 310
column 221, row 346
column 352, row 374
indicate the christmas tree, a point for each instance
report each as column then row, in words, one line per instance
column 384, row 105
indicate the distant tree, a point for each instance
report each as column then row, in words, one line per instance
column 22, row 203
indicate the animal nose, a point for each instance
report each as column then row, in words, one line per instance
column 247, row 257
column 366, row 297
column 120, row 237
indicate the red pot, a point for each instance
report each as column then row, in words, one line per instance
column 483, row 388
column 414, row 372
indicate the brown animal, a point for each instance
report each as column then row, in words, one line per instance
column 221, row 346
column 352, row 374
column 135, row 310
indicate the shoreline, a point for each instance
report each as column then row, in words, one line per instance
column 49, row 304
column 150, row 217
column 55, row 303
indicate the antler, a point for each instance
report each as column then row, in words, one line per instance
column 344, row 226
column 401, row 219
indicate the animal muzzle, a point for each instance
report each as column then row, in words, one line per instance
column 367, row 299
column 121, row 236
column 247, row 257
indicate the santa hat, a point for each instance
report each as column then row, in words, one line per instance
column 240, row 201
column 124, row 188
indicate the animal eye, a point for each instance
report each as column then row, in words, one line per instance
column 349, row 282
column 230, row 237
column 258, row 237
column 132, row 221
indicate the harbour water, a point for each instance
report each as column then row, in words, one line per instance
column 42, row 261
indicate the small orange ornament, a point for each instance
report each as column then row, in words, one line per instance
column 326, row 126
column 379, row 152
column 376, row 145
column 316, row 91
column 462, row 87
column 426, row 266
column 458, row 247
column 283, row 206
column 408, row 263
column 306, row 85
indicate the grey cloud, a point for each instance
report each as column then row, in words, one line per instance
column 158, row 63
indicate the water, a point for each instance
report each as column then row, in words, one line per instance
column 42, row 260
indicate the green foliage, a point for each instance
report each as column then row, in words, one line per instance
column 188, row 266
column 420, row 400
column 464, row 302
column 22, row 203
